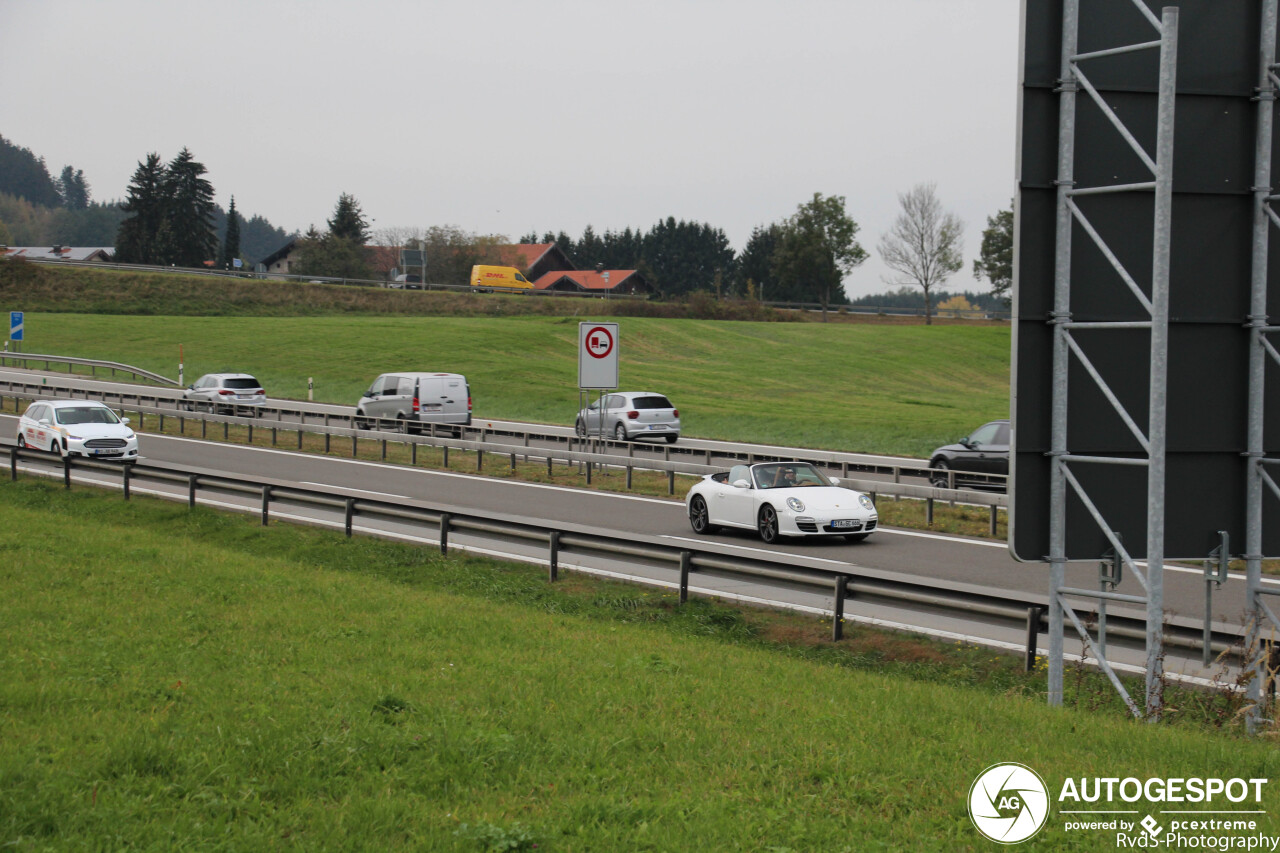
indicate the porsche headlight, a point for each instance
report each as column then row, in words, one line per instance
column 866, row 502
column 796, row 504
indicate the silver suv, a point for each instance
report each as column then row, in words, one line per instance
column 225, row 392
column 629, row 415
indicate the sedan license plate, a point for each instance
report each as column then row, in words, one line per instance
column 846, row 523
column 657, row 426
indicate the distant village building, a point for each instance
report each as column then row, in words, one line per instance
column 102, row 254
column 281, row 260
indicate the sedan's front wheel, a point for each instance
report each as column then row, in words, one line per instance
column 938, row 474
column 699, row 517
column 620, row 432
column 767, row 524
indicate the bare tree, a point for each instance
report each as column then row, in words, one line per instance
column 923, row 246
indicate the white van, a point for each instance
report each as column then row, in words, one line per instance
column 428, row 398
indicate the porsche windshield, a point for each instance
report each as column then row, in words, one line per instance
column 786, row 475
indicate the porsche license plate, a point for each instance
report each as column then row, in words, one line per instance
column 846, row 523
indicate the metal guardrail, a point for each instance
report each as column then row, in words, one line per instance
column 93, row 364
column 455, row 437
column 995, row 606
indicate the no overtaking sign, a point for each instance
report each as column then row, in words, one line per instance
column 598, row 356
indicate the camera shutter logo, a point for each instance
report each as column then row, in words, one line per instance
column 1008, row 803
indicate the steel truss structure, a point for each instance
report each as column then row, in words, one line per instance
column 1072, row 80
column 1263, row 472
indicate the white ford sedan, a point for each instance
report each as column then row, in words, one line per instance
column 780, row 499
column 77, row 428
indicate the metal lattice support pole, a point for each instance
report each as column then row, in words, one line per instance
column 1160, row 360
column 1267, row 91
column 1061, row 311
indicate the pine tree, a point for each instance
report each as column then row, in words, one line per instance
column 137, row 239
column 73, row 188
column 348, row 221
column 231, row 242
column 192, row 239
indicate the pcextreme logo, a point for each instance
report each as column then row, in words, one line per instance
column 1008, row 803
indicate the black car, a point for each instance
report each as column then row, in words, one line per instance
column 984, row 451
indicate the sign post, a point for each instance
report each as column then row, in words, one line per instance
column 15, row 329
column 597, row 364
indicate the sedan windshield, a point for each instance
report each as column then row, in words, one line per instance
column 85, row 415
column 788, row 475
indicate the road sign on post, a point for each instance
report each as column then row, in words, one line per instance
column 15, row 325
column 598, row 356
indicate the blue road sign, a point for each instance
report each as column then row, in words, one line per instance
column 15, row 325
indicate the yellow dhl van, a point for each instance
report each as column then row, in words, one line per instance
column 498, row 278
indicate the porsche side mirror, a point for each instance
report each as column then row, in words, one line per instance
column 741, row 484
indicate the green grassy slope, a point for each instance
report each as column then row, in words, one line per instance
column 859, row 387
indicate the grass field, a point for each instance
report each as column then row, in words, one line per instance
column 205, row 683
column 858, row 387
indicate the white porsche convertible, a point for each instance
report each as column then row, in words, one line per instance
column 780, row 499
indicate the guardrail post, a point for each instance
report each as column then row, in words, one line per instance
column 671, row 482
column 161, row 419
column 444, row 533
column 629, row 470
column 479, row 460
column 837, row 607
column 384, row 450
column 273, row 436
column 555, row 555
column 353, row 446
column 513, row 463
column 191, row 491
column 13, row 464
column 226, row 430
column 204, row 428
column 66, row 471
column 348, row 515
column 128, row 467
column 686, row 561
column 266, row 503
column 928, row 511
column 1034, row 615
column 993, row 521
column 250, row 432
column 413, row 453
column 299, row 438
column 590, row 465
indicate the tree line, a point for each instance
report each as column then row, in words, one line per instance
column 169, row 217
column 37, row 209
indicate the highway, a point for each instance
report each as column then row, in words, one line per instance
column 976, row 562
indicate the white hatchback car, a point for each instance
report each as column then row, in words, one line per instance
column 77, row 428
column 628, row 415
column 780, row 499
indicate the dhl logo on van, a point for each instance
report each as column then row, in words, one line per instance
column 493, row 275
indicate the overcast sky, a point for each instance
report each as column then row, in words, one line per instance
column 506, row 117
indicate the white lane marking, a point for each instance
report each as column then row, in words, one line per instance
column 755, row 550
column 897, row 531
